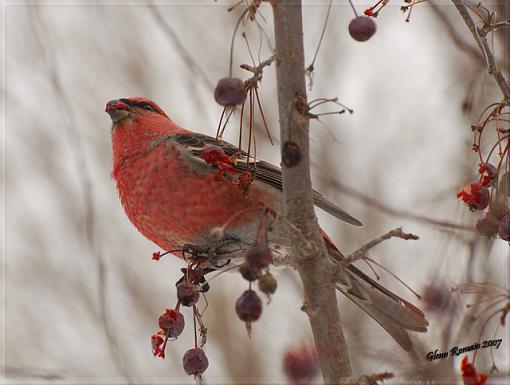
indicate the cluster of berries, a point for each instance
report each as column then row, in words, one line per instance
column 492, row 190
column 171, row 324
column 255, row 268
column 490, row 193
column 248, row 307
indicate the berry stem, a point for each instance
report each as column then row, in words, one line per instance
column 233, row 41
column 354, row 9
column 195, row 324
column 241, row 125
column 311, row 66
column 250, row 133
column 263, row 117
column 219, row 124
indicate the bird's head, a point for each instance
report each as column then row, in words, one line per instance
column 132, row 108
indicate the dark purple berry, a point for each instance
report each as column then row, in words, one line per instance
column 483, row 200
column 488, row 225
column 362, row 28
column 187, row 293
column 504, row 228
column 248, row 273
column 195, row 361
column 249, row 306
column 436, row 297
column 259, row 256
column 229, row 92
column 172, row 323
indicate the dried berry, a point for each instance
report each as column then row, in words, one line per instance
column 488, row 225
column 195, row 361
column 504, row 228
column 476, row 196
column 158, row 346
column 172, row 323
column 187, row 293
column 248, row 273
column 268, row 284
column 229, row 91
column 301, row 365
column 362, row 28
column 259, row 256
column 249, row 306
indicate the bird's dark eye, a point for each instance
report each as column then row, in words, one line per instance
column 147, row 106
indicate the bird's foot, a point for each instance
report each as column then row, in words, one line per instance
column 213, row 254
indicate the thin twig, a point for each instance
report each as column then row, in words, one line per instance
column 257, row 70
column 361, row 252
column 309, row 70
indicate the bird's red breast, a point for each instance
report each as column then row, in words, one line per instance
column 165, row 197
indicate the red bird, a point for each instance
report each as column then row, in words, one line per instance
column 176, row 186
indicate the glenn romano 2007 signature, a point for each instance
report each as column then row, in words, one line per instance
column 456, row 351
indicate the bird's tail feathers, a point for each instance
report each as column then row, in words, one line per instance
column 393, row 313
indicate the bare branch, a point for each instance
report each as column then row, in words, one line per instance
column 361, row 252
column 258, row 70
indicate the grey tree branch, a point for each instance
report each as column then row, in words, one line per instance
column 311, row 258
column 481, row 40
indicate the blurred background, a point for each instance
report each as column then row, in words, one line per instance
column 81, row 294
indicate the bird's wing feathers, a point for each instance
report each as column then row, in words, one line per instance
column 264, row 171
